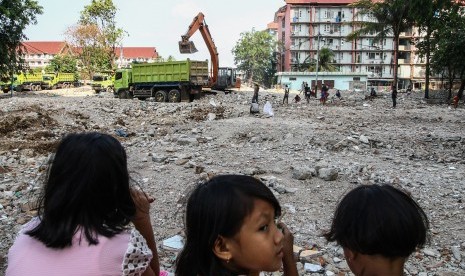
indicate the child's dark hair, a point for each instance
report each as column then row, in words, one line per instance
column 86, row 187
column 217, row 207
column 379, row 219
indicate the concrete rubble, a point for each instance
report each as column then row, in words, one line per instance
column 308, row 154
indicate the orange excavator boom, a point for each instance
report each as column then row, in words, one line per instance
column 187, row 47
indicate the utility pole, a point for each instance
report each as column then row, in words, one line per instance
column 317, row 59
column 12, row 77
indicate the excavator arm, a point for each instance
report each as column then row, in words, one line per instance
column 187, row 47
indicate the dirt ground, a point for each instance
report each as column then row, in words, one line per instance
column 417, row 146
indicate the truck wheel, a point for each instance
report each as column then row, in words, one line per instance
column 174, row 96
column 123, row 94
column 160, row 96
column 19, row 88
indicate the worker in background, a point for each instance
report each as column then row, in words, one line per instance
column 394, row 96
column 455, row 101
column 286, row 94
column 307, row 93
column 255, row 93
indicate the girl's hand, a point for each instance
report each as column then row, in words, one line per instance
column 142, row 201
column 289, row 264
column 143, row 224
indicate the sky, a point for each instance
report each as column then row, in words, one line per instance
column 160, row 23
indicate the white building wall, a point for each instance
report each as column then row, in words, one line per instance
column 363, row 55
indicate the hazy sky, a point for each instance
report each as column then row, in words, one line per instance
column 161, row 23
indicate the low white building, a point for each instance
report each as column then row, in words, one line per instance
column 334, row 80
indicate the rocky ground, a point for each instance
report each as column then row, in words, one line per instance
column 309, row 154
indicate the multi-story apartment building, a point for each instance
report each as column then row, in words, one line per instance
column 304, row 27
column 37, row 54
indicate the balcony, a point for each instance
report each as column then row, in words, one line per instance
column 404, row 34
column 402, row 61
column 404, row 47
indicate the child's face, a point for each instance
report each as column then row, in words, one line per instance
column 258, row 244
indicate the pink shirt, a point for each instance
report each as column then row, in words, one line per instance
column 124, row 254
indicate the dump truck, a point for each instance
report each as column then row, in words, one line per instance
column 221, row 78
column 57, row 80
column 103, row 82
column 171, row 81
column 31, row 82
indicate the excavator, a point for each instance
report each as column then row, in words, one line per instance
column 221, row 78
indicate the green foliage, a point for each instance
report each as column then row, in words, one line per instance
column 254, row 55
column 62, row 64
column 325, row 60
column 448, row 40
column 97, row 36
column 15, row 16
column 424, row 14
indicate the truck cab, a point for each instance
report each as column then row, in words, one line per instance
column 123, row 77
column 102, row 82
column 49, row 80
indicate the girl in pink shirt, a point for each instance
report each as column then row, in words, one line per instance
column 90, row 220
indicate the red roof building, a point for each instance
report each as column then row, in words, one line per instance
column 39, row 53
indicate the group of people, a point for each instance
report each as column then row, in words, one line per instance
column 94, row 220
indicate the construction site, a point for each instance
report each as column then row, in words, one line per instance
column 418, row 146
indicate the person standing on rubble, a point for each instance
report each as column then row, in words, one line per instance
column 255, row 93
column 307, row 93
column 394, row 96
column 286, row 94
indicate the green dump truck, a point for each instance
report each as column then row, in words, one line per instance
column 103, row 81
column 171, row 81
column 31, row 82
column 57, row 80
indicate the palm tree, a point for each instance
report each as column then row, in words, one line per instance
column 392, row 17
column 325, row 61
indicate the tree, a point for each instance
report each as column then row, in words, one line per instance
column 424, row 14
column 97, row 36
column 449, row 38
column 15, row 15
column 62, row 64
column 254, row 54
column 102, row 13
column 85, row 40
column 391, row 17
column 325, row 60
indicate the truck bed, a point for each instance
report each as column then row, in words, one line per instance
column 195, row 72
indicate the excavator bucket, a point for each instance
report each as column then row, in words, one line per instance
column 187, row 47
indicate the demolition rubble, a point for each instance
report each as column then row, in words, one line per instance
column 309, row 154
